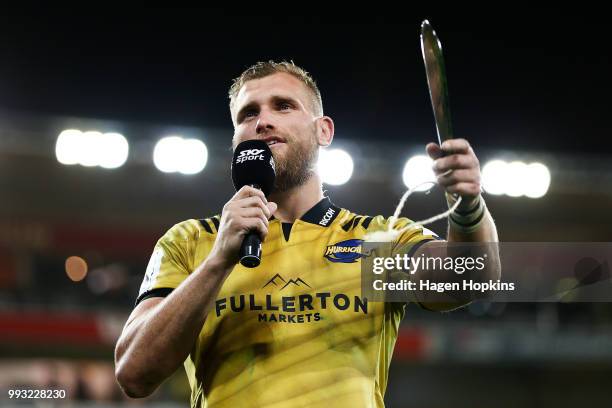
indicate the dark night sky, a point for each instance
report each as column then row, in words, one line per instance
column 522, row 82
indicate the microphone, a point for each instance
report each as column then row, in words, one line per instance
column 253, row 165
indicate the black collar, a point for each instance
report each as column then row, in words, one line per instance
column 323, row 213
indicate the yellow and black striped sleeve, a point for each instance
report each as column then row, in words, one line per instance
column 172, row 260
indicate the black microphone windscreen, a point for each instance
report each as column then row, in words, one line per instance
column 253, row 164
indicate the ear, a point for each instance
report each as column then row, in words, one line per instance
column 325, row 130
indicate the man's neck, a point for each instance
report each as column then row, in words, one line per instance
column 293, row 204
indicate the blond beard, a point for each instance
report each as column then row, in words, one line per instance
column 296, row 168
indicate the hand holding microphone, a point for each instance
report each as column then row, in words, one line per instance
column 244, row 220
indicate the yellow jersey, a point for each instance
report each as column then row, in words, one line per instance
column 294, row 331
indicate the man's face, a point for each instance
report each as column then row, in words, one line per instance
column 278, row 109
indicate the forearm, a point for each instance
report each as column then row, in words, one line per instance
column 153, row 346
column 457, row 170
column 485, row 232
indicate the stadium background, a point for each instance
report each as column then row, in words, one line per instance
column 524, row 88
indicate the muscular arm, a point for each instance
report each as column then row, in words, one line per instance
column 161, row 332
column 458, row 171
column 485, row 234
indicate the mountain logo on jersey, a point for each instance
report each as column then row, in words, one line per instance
column 276, row 278
column 344, row 251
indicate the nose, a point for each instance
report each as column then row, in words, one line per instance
column 263, row 123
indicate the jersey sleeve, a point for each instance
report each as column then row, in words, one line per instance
column 171, row 262
column 406, row 243
column 410, row 241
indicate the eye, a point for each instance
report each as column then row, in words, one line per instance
column 284, row 106
column 249, row 114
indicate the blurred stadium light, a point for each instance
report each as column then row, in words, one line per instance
column 516, row 179
column 76, row 268
column 335, row 166
column 91, row 148
column 175, row 154
column 418, row 170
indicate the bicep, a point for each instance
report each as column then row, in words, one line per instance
column 142, row 309
column 138, row 315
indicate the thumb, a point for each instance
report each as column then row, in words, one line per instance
column 434, row 151
column 272, row 207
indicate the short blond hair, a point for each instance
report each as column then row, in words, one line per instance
column 264, row 69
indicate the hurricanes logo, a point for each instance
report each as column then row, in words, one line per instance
column 344, row 251
column 284, row 283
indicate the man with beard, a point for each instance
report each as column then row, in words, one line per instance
column 294, row 331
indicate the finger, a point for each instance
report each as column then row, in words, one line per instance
column 257, row 225
column 464, row 189
column 272, row 206
column 434, row 151
column 253, row 212
column 452, row 146
column 253, row 202
column 454, row 162
column 248, row 191
column 458, row 176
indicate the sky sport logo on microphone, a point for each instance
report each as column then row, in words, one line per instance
column 250, row 154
